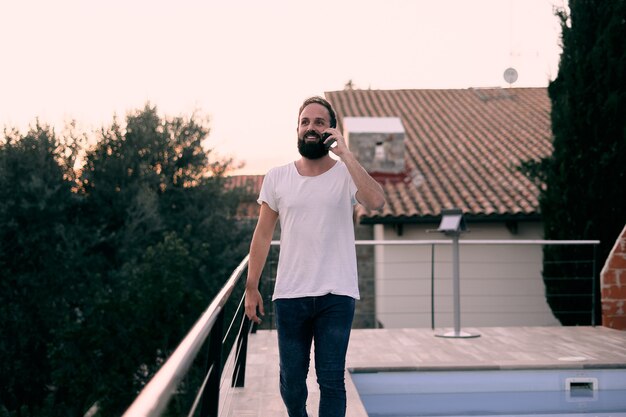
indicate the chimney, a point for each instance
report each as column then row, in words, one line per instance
column 377, row 143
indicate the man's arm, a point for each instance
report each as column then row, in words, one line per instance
column 369, row 192
column 259, row 248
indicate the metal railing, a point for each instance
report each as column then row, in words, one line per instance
column 425, row 278
column 430, row 271
column 154, row 398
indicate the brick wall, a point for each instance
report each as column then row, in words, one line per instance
column 613, row 285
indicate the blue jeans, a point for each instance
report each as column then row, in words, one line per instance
column 327, row 320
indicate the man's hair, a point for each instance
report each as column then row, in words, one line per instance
column 323, row 102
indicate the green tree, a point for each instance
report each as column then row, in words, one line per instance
column 40, row 261
column 110, row 264
column 584, row 178
column 166, row 226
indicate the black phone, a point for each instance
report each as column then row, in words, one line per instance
column 331, row 143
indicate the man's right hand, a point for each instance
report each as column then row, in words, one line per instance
column 254, row 300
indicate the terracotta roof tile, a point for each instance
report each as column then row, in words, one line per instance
column 463, row 148
column 251, row 184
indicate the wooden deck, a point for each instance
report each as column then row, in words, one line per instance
column 420, row 349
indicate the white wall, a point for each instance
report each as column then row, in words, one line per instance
column 500, row 285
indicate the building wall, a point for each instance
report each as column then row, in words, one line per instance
column 364, row 315
column 499, row 285
column 613, row 286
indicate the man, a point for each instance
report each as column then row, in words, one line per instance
column 316, row 282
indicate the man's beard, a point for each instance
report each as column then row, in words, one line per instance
column 311, row 150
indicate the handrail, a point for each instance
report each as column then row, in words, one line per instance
column 157, row 393
column 422, row 242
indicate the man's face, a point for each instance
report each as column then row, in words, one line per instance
column 313, row 120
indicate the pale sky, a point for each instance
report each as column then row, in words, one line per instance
column 248, row 65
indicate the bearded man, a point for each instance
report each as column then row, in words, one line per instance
column 316, row 282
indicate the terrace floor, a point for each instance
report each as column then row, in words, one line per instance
column 420, row 349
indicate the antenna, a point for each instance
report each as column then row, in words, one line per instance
column 510, row 74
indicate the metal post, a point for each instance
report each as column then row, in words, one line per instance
column 211, row 393
column 432, row 287
column 593, row 287
column 239, row 373
column 456, row 285
column 456, row 292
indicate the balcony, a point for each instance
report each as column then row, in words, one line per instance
column 419, row 349
column 242, row 376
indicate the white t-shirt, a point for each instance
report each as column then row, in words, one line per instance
column 317, row 250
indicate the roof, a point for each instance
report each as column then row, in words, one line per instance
column 248, row 207
column 463, row 149
column 251, row 183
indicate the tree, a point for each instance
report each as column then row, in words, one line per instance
column 109, row 264
column 584, row 178
column 166, row 226
column 40, row 261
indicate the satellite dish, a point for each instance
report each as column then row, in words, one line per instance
column 510, row 75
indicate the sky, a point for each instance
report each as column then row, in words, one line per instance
column 247, row 65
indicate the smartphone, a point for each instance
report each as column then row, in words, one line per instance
column 331, row 143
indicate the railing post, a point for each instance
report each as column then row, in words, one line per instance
column 456, row 285
column 593, row 287
column 211, row 393
column 452, row 225
column 239, row 373
column 432, row 287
